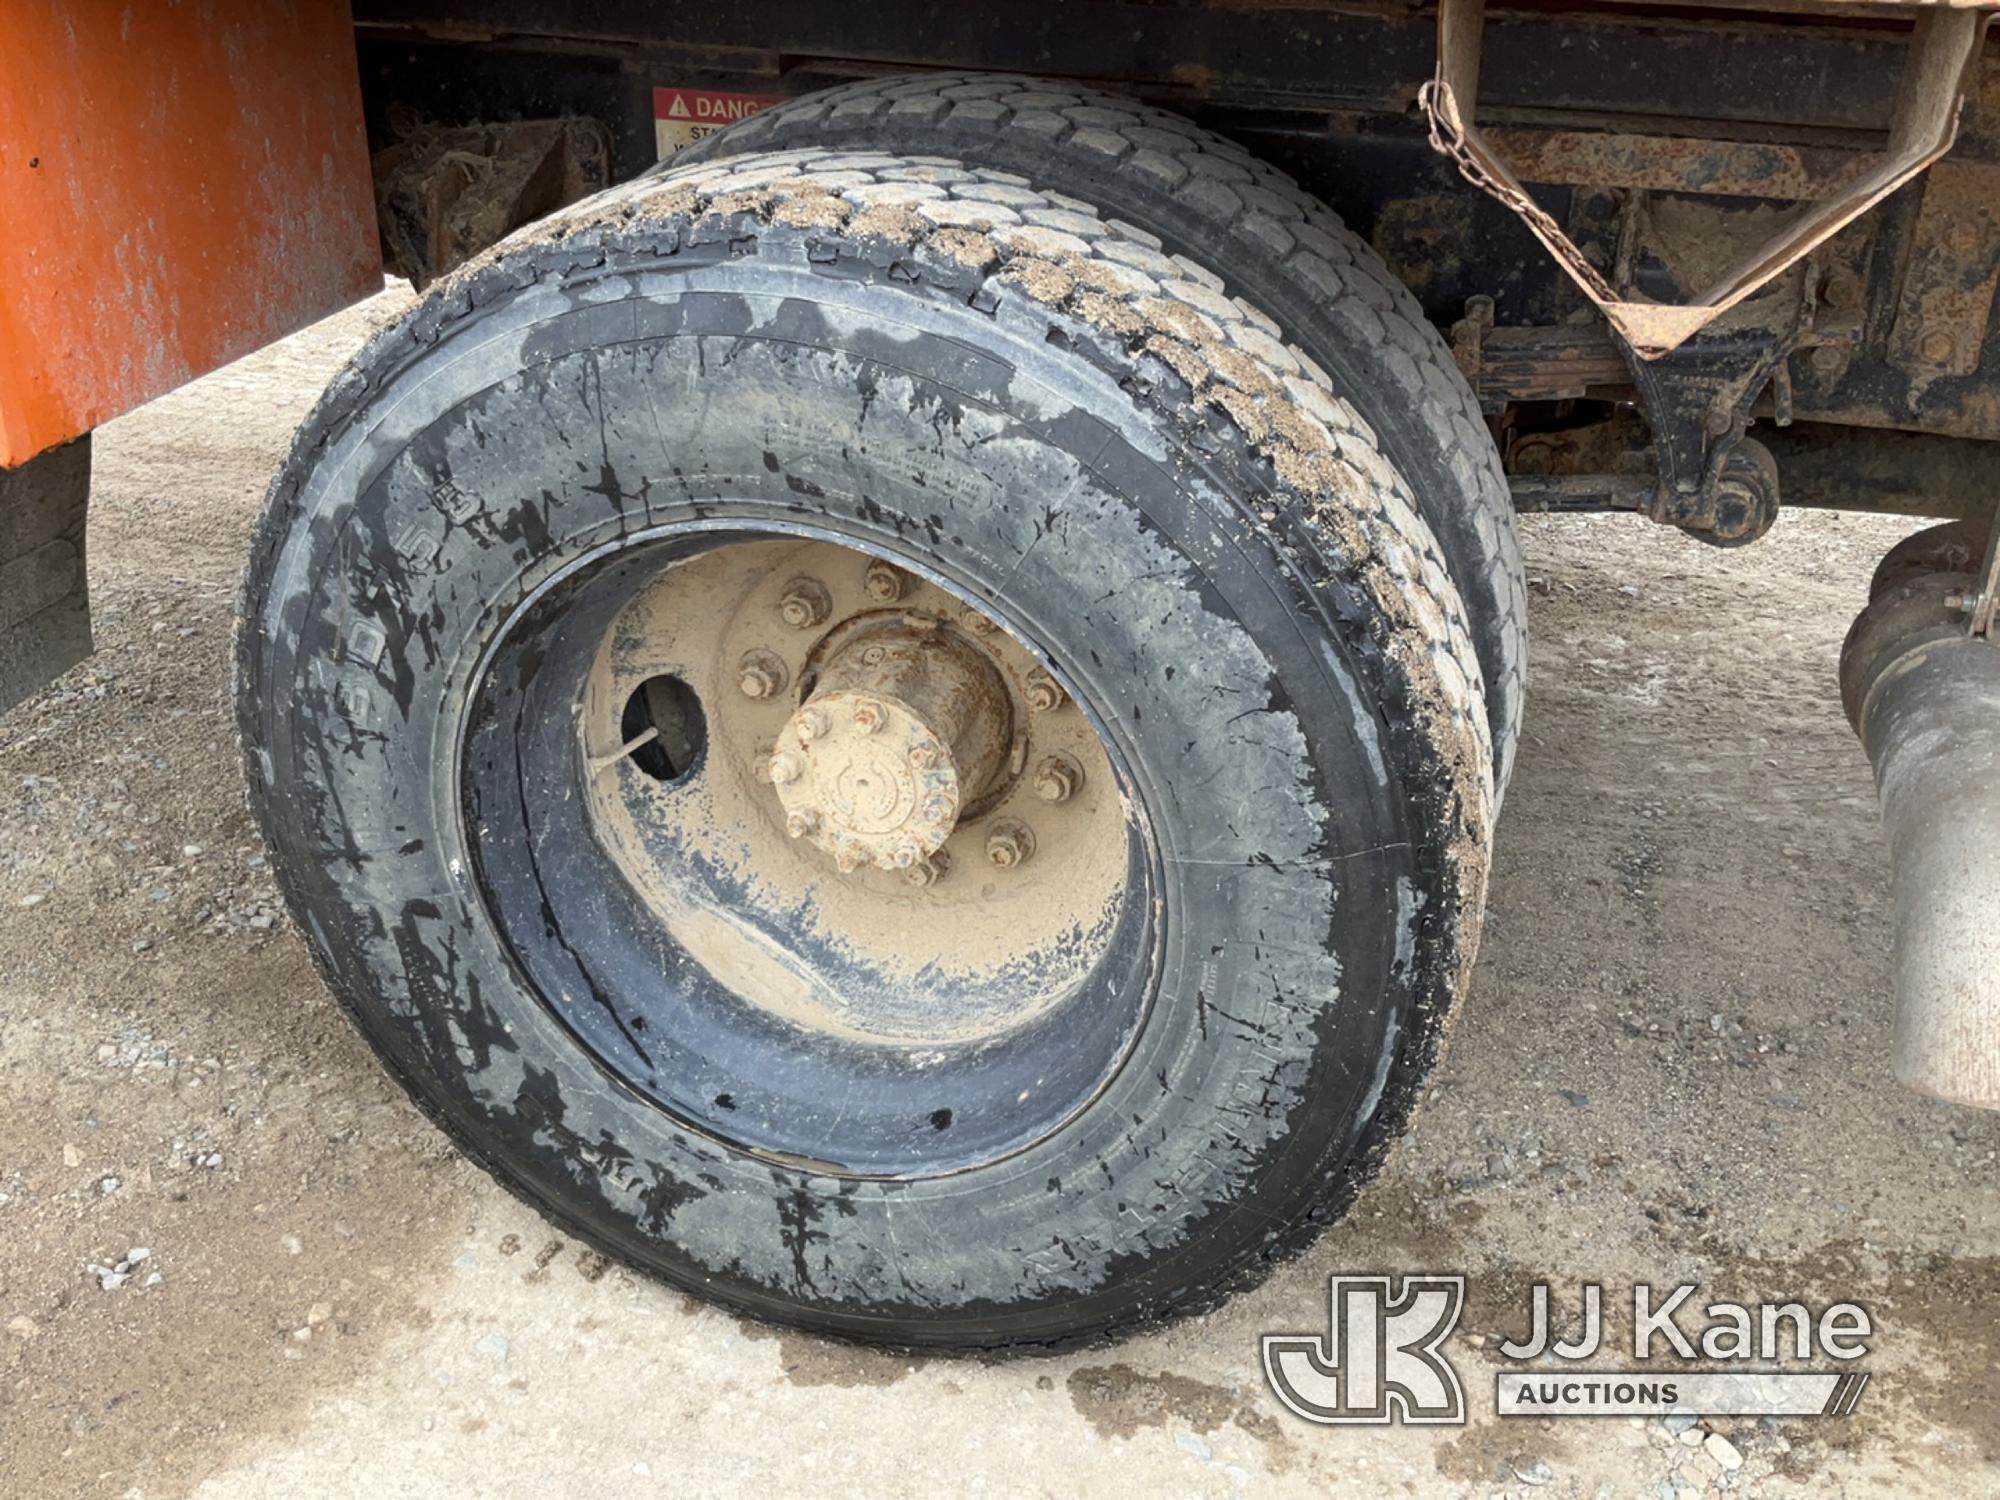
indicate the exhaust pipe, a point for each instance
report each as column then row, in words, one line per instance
column 1923, row 692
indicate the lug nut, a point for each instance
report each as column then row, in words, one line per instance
column 1841, row 291
column 785, row 767
column 1010, row 844
column 867, row 716
column 928, row 872
column 923, row 757
column 813, row 723
column 1058, row 778
column 801, row 823
column 806, row 603
column 975, row 622
column 847, row 859
column 762, row 674
column 1045, row 694
column 885, row 584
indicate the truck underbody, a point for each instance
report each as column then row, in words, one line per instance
column 1663, row 143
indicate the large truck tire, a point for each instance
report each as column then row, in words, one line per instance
column 630, row 621
column 1269, row 242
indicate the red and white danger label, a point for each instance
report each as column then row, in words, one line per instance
column 683, row 116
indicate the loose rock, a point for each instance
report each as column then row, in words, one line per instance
column 1723, row 1452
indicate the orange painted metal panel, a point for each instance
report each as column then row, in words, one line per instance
column 181, row 181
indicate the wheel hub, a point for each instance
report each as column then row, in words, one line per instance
column 907, row 726
column 960, row 860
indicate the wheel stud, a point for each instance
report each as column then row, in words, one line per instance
column 885, row 583
column 867, row 716
column 847, row 859
column 785, row 767
column 762, row 674
column 813, row 723
column 1045, row 694
column 928, row 872
column 806, row 603
column 801, row 823
column 1010, row 844
column 1058, row 778
column 923, row 757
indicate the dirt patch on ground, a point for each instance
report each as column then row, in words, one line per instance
column 1119, row 1400
column 807, row 1361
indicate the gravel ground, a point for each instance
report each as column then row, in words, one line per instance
column 234, row 1262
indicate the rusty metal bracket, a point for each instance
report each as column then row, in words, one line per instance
column 443, row 195
column 1698, row 404
column 1952, row 270
column 1987, row 600
column 1698, row 471
column 1944, row 46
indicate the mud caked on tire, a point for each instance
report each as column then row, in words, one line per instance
column 1274, row 244
column 555, row 686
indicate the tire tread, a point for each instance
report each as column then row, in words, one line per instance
column 1257, row 218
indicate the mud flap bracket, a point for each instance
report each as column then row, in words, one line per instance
column 44, row 593
column 1944, row 46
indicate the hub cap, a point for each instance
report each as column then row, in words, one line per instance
column 909, row 723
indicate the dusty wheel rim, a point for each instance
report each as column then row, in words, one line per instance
column 949, row 999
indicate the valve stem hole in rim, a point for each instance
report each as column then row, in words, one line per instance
column 775, row 821
column 664, row 723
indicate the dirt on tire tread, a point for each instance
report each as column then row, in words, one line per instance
column 1268, row 218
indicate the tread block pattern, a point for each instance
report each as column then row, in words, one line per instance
column 1286, row 246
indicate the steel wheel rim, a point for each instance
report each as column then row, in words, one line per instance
column 585, row 938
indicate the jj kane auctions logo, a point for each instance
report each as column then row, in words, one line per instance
column 1382, row 1359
